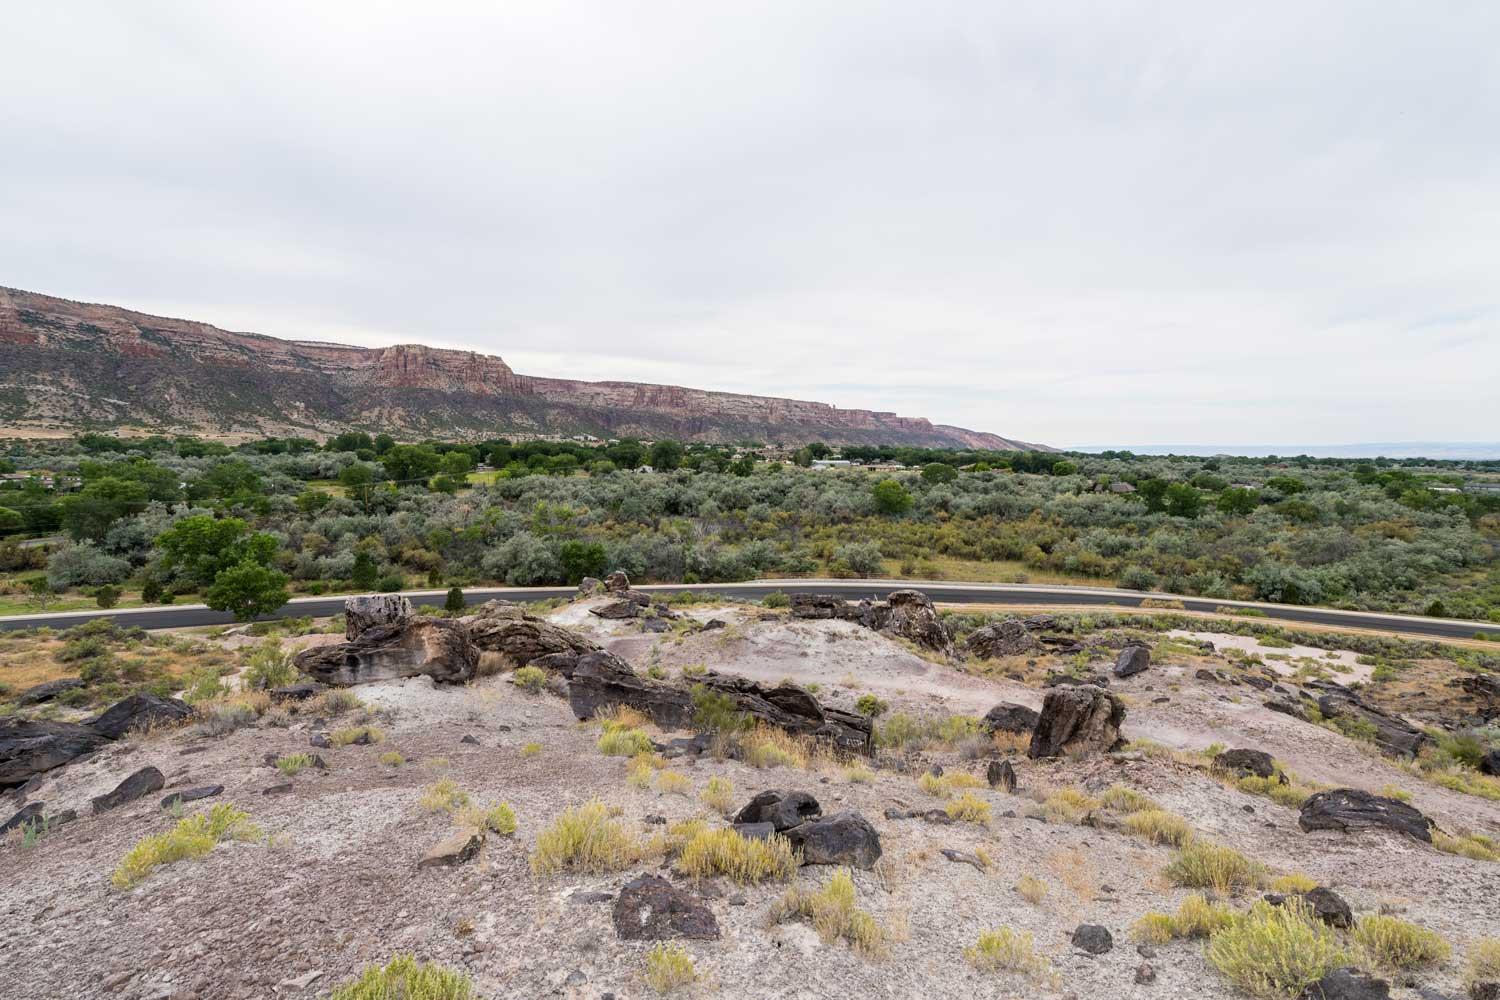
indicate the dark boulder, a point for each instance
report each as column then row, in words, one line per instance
column 588, row 586
column 1347, row 809
column 845, row 838
column 48, row 690
column 1077, row 719
column 1329, row 907
column 297, row 692
column 362, row 613
column 1287, row 705
column 617, row 582
column 1490, row 763
column 1392, row 735
column 139, row 712
column 191, row 795
column 1348, row 984
column 30, row 748
column 911, row 616
column 783, row 810
column 601, row 679
column 1010, row 637
column 650, row 908
column 655, row 625
column 1000, row 774
column 432, row 647
column 1008, row 717
column 141, row 783
column 523, row 638
column 29, row 813
column 1247, row 763
column 1092, row 938
column 815, row 607
column 1485, row 690
column 1133, row 659
column 754, row 831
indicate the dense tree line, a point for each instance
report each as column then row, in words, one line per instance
column 243, row 526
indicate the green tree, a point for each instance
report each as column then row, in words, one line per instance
column 1238, row 500
column 743, row 466
column 666, row 455
column 891, row 497
column 384, row 443
column 454, row 603
column 10, row 520
column 938, row 472
column 1154, row 493
column 247, row 590
column 106, row 596
column 89, row 512
column 410, row 462
column 580, row 559
column 200, row 547
column 1064, row 468
column 356, row 475
column 1183, row 500
column 627, row 454
column 365, row 572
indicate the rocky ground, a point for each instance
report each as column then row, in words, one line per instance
column 334, row 884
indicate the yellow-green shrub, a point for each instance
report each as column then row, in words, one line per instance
column 1159, row 827
column 1275, row 950
column 727, row 852
column 192, row 837
column 718, row 795
column 404, row 978
column 832, row 913
column 1203, row 864
column 584, row 839
column 1006, row 950
column 669, row 967
column 1392, row 943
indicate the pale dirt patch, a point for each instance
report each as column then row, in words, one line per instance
column 1343, row 663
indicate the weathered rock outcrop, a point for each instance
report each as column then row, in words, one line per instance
column 524, row 638
column 1077, row 719
column 1247, row 763
column 1008, row 717
column 47, row 691
column 1392, row 735
column 1008, row 638
column 782, row 810
column 601, row 679
column 433, row 647
column 361, row 613
column 627, row 604
column 1133, row 659
column 1485, row 690
column 30, row 748
column 906, row 614
column 139, row 712
column 1346, row 809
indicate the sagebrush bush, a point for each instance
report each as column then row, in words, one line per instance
column 404, row 978
column 1275, row 950
column 268, row 666
column 1067, row 805
column 669, row 967
column 673, row 783
column 1468, row 845
column 858, row 774
column 968, row 808
column 620, row 742
column 1122, row 798
column 1203, row 864
column 293, row 763
column 444, row 796
column 727, row 852
column 500, row 818
column 1293, row 882
column 529, row 679
column 192, row 837
column 834, row 915
column 584, row 839
column 1392, row 943
column 718, row 795
column 1483, row 965
column 767, row 746
column 392, row 759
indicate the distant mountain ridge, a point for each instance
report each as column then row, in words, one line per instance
column 1446, row 450
column 70, row 366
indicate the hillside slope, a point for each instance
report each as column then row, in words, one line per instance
column 73, row 366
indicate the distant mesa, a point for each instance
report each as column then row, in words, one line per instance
column 74, row 366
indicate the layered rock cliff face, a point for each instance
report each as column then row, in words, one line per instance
column 69, row 366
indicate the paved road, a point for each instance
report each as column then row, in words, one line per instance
column 179, row 616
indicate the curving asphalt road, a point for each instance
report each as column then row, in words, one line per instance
column 183, row 615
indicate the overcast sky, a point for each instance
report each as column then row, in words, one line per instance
column 1070, row 223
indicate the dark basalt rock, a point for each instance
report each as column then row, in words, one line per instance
column 783, row 810
column 601, row 679
column 755, row 831
column 1008, row 717
column 656, row 625
column 31, row 748
column 908, row 614
column 1077, row 719
column 1133, row 659
column 191, row 795
column 1490, row 763
column 1392, row 735
column 141, row 783
column 1000, row 774
column 617, row 582
column 649, row 908
column 1247, row 763
column 1010, row 637
column 845, row 838
column 47, row 691
column 29, row 813
column 1485, row 690
column 297, row 692
column 1092, row 938
column 434, row 647
column 1347, row 809
column 525, row 639
column 627, row 604
column 588, row 585
column 1287, row 705
column 1348, row 984
column 139, row 711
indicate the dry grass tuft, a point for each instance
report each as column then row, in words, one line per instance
column 356, row 734
column 404, row 978
column 192, row 837
column 673, row 783
column 766, row 746
column 621, row 742
column 584, row 839
column 727, row 852
column 1007, row 950
column 1032, row 889
column 1159, row 827
column 718, row 795
column 444, row 796
column 1391, row 943
column 1293, row 882
column 500, row 818
column 832, row 913
column 969, row 808
column 293, row 763
column 669, row 967
column 1203, row 864
column 1483, row 965
column 1474, row 846
column 1122, row 798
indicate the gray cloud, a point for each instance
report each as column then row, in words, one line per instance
column 1177, row 222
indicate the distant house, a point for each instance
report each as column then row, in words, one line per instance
column 831, row 463
column 1482, row 487
column 1121, row 488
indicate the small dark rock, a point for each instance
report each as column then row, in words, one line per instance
column 30, row 813
column 1145, row 974
column 320, row 740
column 1093, row 938
column 963, row 858
column 469, row 739
column 278, row 789
column 192, row 795
column 1346, row 809
column 580, row 898
column 1348, row 984
column 142, row 782
column 1008, row 717
column 47, row 691
column 1001, row 774
column 650, row 908
column 1247, row 763
column 1133, row 659
column 139, row 711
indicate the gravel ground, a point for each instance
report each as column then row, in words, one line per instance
column 337, row 887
